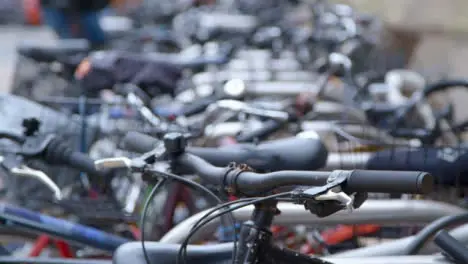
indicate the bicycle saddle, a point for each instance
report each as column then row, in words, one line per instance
column 282, row 154
column 42, row 53
column 154, row 76
column 160, row 253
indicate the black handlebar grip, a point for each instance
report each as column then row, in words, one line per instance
column 58, row 152
column 82, row 162
column 139, row 142
column 413, row 182
column 451, row 246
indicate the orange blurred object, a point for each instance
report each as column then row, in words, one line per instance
column 123, row 6
column 340, row 234
column 345, row 232
column 32, row 12
column 83, row 68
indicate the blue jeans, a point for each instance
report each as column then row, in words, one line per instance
column 88, row 25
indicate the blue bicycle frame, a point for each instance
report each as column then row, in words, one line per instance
column 17, row 217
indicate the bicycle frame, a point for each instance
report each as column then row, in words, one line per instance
column 18, row 217
column 255, row 242
column 372, row 212
column 215, row 254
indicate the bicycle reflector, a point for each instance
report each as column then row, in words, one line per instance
column 83, row 69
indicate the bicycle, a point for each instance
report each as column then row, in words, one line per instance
column 254, row 241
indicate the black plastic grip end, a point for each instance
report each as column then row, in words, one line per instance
column 425, row 183
column 412, row 182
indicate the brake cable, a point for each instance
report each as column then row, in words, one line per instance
column 166, row 176
column 204, row 220
column 143, row 218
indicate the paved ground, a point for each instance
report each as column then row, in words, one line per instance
column 9, row 38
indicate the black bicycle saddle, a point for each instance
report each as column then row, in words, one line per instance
column 66, row 47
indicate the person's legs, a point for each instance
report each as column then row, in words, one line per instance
column 58, row 21
column 91, row 29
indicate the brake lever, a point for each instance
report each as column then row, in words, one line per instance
column 137, row 164
column 35, row 145
column 16, row 137
column 14, row 164
column 113, row 163
column 341, row 197
column 330, row 198
column 24, row 170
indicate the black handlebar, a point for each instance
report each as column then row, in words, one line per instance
column 53, row 151
column 413, row 182
column 139, row 142
column 250, row 182
column 58, row 152
column 82, row 162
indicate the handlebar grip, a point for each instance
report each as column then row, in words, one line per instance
column 139, row 142
column 413, row 182
column 58, row 152
column 82, row 162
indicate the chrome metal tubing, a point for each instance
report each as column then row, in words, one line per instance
column 255, row 76
column 133, row 251
column 437, row 259
column 347, row 161
column 397, row 247
column 373, row 211
column 280, row 88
